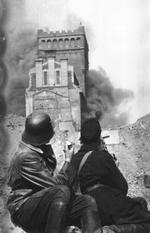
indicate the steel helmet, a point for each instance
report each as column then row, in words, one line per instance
column 90, row 131
column 38, row 129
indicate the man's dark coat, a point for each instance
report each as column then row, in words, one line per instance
column 115, row 207
column 31, row 170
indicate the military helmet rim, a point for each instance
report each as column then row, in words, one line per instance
column 38, row 129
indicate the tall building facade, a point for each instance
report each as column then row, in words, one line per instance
column 57, row 81
column 71, row 45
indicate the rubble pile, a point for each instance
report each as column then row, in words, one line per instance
column 133, row 154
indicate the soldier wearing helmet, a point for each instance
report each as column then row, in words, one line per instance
column 40, row 201
column 100, row 177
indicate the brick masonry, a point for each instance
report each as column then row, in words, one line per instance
column 57, row 81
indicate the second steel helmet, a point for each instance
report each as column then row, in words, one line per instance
column 38, row 129
column 90, row 131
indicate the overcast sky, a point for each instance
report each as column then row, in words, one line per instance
column 118, row 36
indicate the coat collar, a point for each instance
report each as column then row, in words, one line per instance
column 86, row 147
column 94, row 146
column 31, row 147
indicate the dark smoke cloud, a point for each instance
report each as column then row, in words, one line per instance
column 19, row 59
column 20, row 55
column 16, row 98
column 103, row 99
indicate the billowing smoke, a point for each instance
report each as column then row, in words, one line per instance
column 102, row 97
column 104, row 100
column 19, row 57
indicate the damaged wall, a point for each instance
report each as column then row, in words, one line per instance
column 54, row 92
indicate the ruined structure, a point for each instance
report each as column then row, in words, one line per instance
column 57, row 81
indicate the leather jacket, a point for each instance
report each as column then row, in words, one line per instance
column 30, row 171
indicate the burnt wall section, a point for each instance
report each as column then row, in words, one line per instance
column 53, row 89
column 61, row 105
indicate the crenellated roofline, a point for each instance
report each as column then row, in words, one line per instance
column 45, row 33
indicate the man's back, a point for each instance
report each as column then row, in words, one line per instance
column 99, row 168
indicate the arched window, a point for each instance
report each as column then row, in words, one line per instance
column 49, row 44
column 60, row 43
column 42, row 43
column 78, row 41
column 66, row 42
column 55, row 43
column 72, row 42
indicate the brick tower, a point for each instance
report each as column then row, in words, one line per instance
column 71, row 45
column 57, row 80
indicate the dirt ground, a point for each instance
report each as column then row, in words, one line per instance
column 133, row 154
